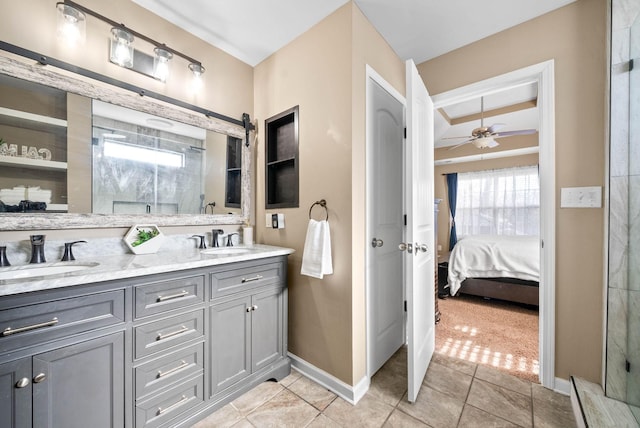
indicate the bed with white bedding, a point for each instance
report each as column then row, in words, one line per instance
column 497, row 266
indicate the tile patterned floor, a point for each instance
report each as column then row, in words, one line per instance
column 455, row 393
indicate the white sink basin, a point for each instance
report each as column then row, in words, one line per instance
column 32, row 271
column 226, row 251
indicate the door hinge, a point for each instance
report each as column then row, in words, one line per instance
column 405, row 219
column 405, row 306
column 542, row 244
column 405, row 133
column 627, row 364
column 630, row 68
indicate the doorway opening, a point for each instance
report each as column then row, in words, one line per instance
column 540, row 75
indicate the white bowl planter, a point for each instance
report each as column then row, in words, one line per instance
column 147, row 247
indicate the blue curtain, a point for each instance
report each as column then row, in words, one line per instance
column 452, row 190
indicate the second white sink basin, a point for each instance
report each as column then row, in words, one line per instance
column 226, row 251
column 32, row 271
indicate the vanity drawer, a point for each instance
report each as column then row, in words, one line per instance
column 28, row 325
column 157, row 297
column 235, row 280
column 163, row 334
column 161, row 409
column 170, row 369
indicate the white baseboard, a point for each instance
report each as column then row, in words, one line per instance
column 563, row 386
column 349, row 393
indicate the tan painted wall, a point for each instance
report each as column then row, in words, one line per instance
column 574, row 36
column 323, row 71
column 228, row 82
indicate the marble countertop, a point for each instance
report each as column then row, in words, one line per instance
column 129, row 266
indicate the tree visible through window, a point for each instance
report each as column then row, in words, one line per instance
column 499, row 202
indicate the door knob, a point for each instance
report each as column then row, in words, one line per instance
column 405, row 247
column 421, row 247
column 375, row 242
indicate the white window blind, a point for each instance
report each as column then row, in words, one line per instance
column 499, row 202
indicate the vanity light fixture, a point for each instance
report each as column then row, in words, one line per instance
column 71, row 21
column 121, row 48
column 71, row 25
column 161, row 64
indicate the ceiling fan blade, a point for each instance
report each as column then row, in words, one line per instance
column 519, row 132
column 493, row 128
column 455, row 138
column 462, row 144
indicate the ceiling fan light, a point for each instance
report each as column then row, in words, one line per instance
column 485, row 143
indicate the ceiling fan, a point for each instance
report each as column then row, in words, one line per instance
column 484, row 137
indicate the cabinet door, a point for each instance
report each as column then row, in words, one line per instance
column 15, row 397
column 230, row 343
column 266, row 328
column 82, row 385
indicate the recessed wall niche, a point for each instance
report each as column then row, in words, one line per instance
column 281, row 169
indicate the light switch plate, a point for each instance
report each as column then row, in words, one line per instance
column 581, row 197
column 268, row 220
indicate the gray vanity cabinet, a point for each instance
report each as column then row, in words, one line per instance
column 247, row 322
column 62, row 360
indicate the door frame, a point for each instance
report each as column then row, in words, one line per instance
column 375, row 77
column 542, row 74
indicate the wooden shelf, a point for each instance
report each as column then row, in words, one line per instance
column 282, row 176
column 20, row 162
column 25, row 119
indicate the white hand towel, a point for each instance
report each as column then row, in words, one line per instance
column 316, row 258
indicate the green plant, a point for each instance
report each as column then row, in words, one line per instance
column 144, row 236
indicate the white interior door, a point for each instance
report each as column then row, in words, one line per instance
column 385, row 279
column 419, row 255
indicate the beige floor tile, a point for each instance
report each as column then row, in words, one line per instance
column 224, row 417
column 433, row 408
column 294, row 376
column 285, row 410
column 448, row 381
column 476, row 418
column 550, row 409
column 501, row 402
column 389, row 384
column 243, row 424
column 505, row 380
column 259, row 395
column 321, row 421
column 463, row 366
column 369, row 412
column 400, row 419
column 314, row 394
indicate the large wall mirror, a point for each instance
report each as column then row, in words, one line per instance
column 99, row 156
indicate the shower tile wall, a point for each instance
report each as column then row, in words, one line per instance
column 624, row 219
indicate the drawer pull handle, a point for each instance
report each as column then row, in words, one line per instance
column 22, row 383
column 173, row 406
column 255, row 278
column 9, row 331
column 183, row 293
column 161, row 336
column 182, row 365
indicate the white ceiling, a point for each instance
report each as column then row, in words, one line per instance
column 251, row 30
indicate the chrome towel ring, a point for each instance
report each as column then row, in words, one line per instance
column 323, row 204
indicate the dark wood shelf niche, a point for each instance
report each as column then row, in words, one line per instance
column 281, row 170
column 234, row 177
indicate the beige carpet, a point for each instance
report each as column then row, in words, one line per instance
column 492, row 332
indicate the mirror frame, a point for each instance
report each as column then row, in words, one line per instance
column 93, row 89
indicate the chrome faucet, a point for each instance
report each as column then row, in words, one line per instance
column 229, row 241
column 37, row 249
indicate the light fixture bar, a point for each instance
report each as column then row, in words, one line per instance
column 129, row 30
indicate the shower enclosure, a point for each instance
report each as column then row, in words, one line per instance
column 623, row 316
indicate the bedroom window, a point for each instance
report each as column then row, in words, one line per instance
column 499, row 202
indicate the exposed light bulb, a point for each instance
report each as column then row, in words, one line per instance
column 121, row 49
column 71, row 25
column 197, row 69
column 161, row 64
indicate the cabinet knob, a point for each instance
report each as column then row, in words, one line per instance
column 254, row 307
column 39, row 378
column 22, row 383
